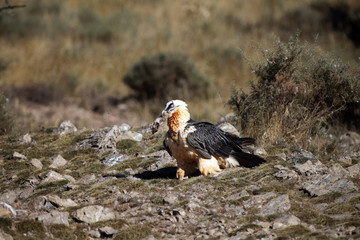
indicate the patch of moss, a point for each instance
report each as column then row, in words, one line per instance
column 31, row 227
column 128, row 146
column 134, row 232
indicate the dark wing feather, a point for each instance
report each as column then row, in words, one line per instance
column 209, row 139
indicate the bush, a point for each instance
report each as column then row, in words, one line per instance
column 6, row 120
column 299, row 91
column 167, row 76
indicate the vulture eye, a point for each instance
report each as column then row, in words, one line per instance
column 172, row 105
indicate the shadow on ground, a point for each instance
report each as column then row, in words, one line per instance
column 167, row 172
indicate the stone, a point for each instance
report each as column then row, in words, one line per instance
column 170, row 199
column 323, row 184
column 337, row 169
column 19, row 156
column 52, row 176
column 65, row 127
column 132, row 135
column 285, row 173
column 107, row 231
column 350, row 139
column 61, row 202
column 70, row 178
column 309, row 168
column 302, row 157
column 258, row 200
column 5, row 236
column 124, row 127
column 260, row 151
column 354, row 170
column 227, row 127
column 94, row 233
column 276, row 205
column 54, row 217
column 239, row 195
column 93, row 214
column 36, row 163
column 26, row 138
column 286, row 221
column 8, row 197
column 87, row 179
column 58, row 162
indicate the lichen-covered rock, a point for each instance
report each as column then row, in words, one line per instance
column 286, row 221
column 276, row 205
column 58, row 162
column 54, row 217
column 93, row 214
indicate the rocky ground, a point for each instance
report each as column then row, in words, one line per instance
column 118, row 183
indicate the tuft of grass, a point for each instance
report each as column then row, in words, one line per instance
column 326, row 198
column 300, row 90
column 134, row 232
column 33, row 228
column 293, row 232
column 340, row 208
column 128, row 146
column 6, row 119
column 61, row 231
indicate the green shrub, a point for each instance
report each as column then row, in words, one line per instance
column 299, row 91
column 6, row 120
column 167, row 76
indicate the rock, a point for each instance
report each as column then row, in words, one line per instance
column 170, row 199
column 94, row 233
column 286, row 221
column 95, row 213
column 260, row 151
column 87, row 179
column 285, row 173
column 258, row 200
column 70, row 178
column 65, row 127
column 132, row 135
column 227, row 127
column 26, row 138
column 309, row 168
column 115, row 159
column 8, row 197
column 5, row 236
column 19, row 156
column 337, row 169
column 239, row 195
column 354, row 170
column 350, row 139
column 276, row 205
column 159, row 124
column 58, row 162
column 36, row 163
column 107, row 231
column 52, row 176
column 302, row 157
column 61, row 202
column 54, row 217
column 323, row 184
column 124, row 127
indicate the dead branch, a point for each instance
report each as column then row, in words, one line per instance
column 9, row 6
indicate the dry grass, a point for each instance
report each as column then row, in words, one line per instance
column 85, row 47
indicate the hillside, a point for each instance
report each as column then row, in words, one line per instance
column 118, row 183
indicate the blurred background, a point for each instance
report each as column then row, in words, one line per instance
column 99, row 63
